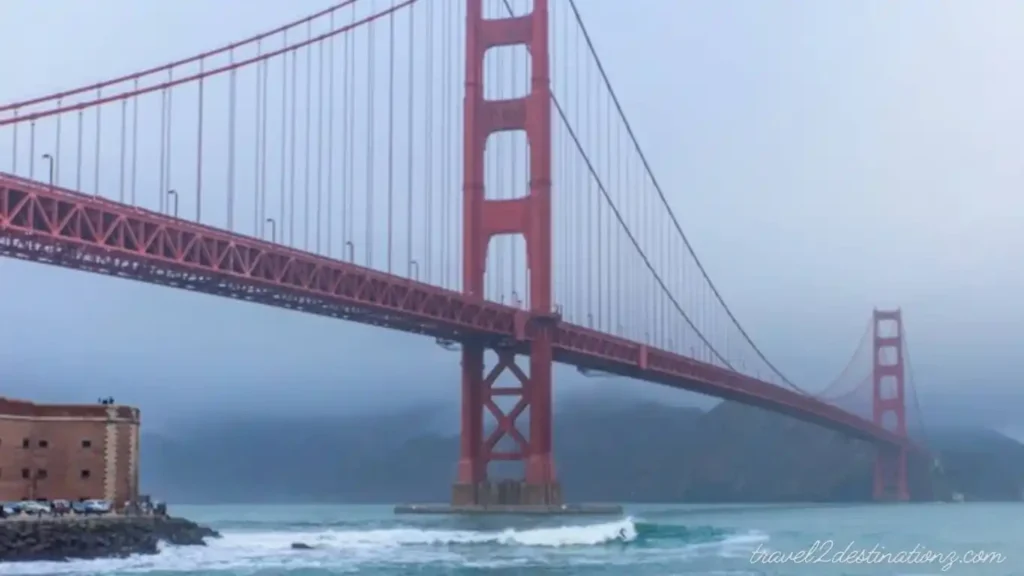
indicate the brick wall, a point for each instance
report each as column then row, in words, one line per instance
column 68, row 451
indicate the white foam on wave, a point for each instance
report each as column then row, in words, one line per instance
column 248, row 550
column 344, row 550
column 586, row 535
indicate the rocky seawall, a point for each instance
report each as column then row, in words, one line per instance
column 71, row 538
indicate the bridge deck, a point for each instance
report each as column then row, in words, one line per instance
column 66, row 228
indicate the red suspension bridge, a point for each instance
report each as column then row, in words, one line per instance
column 461, row 170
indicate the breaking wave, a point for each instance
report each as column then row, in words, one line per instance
column 352, row 548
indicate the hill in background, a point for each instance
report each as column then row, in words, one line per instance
column 605, row 452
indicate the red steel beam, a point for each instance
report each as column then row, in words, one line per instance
column 64, row 228
column 587, row 348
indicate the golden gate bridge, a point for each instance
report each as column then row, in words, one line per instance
column 460, row 170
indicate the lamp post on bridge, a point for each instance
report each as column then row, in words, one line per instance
column 273, row 229
column 351, row 250
column 174, row 194
column 50, row 160
column 414, row 269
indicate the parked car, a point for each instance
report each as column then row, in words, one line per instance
column 34, row 507
column 60, row 506
column 97, row 507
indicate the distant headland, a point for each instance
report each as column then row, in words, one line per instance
column 615, row 451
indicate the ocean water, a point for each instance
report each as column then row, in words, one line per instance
column 969, row 539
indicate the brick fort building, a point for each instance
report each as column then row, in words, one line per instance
column 68, row 452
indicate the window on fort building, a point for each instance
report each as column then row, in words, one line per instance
column 41, row 473
column 25, row 443
column 86, row 443
column 85, row 474
column 44, row 444
column 24, row 473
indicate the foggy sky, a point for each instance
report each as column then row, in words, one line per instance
column 825, row 158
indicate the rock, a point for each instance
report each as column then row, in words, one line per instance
column 301, row 546
column 76, row 537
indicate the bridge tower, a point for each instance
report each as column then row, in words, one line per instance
column 889, row 408
column 530, row 216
